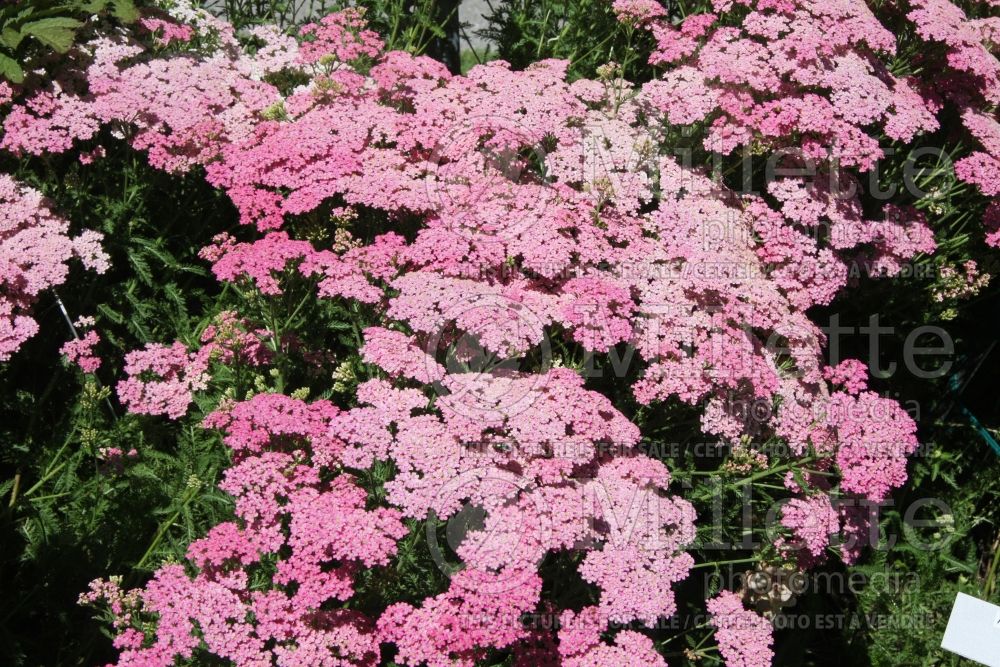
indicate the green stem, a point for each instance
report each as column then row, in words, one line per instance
column 45, row 479
column 51, row 496
column 702, row 642
column 757, row 476
column 724, row 562
column 165, row 526
column 50, row 472
column 768, row 473
column 991, row 575
column 13, row 491
column 305, row 299
column 824, row 473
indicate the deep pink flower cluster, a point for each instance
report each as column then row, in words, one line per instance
column 284, row 448
column 80, row 351
column 340, row 37
column 167, row 31
column 35, row 248
column 850, row 374
column 874, row 438
column 812, row 520
column 258, row 262
column 317, row 533
column 968, row 43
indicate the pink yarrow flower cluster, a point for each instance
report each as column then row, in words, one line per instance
column 785, row 69
column 744, row 636
column 604, row 246
column 969, row 78
column 286, row 512
column 35, row 249
column 162, row 380
column 80, row 351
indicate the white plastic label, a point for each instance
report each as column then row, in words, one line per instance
column 973, row 630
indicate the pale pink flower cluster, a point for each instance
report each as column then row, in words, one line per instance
column 399, row 355
column 121, row 604
column 162, row 380
column 51, row 121
column 744, row 637
column 968, row 43
column 179, row 108
column 638, row 10
column 812, row 520
column 276, row 52
column 960, row 283
column 35, row 248
column 982, row 168
column 969, row 77
column 760, row 73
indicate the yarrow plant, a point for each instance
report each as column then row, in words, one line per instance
column 482, row 239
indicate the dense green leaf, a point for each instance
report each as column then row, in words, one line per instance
column 56, row 32
column 125, row 11
column 10, row 69
column 11, row 38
